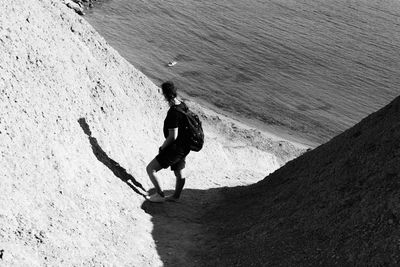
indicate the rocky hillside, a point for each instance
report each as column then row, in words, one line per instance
column 338, row 205
column 78, row 125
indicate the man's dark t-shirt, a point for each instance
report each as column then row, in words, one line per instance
column 173, row 120
column 174, row 154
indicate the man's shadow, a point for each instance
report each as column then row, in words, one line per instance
column 118, row 171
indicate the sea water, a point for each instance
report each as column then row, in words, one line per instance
column 311, row 68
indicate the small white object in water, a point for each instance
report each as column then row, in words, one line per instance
column 172, row 63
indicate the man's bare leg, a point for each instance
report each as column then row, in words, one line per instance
column 152, row 170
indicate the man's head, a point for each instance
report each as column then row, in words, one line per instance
column 168, row 90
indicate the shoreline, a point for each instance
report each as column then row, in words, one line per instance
column 273, row 132
column 269, row 131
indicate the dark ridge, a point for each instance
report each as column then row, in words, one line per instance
column 337, row 205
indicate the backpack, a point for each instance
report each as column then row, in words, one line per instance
column 193, row 134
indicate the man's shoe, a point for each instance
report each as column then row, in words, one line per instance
column 156, row 198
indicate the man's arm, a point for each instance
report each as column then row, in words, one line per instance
column 172, row 135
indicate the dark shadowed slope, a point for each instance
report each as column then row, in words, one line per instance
column 336, row 205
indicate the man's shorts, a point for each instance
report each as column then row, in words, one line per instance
column 173, row 156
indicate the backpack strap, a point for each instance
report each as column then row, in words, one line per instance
column 183, row 110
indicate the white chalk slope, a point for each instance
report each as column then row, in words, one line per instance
column 60, row 202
